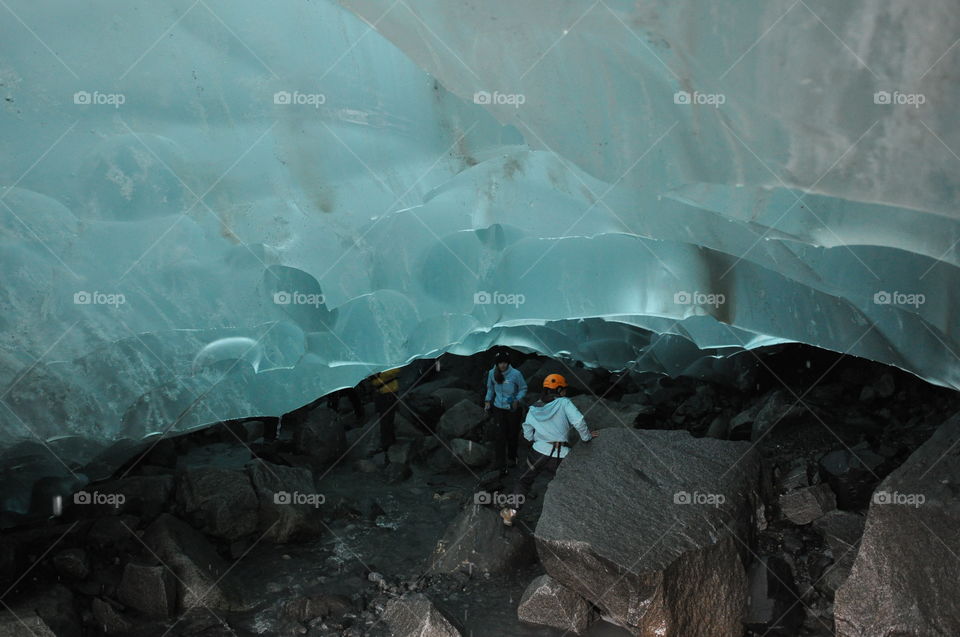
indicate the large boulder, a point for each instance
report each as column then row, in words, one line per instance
column 289, row 504
column 841, row 531
column 201, row 573
column 463, row 420
column 905, row 577
column 600, row 413
column 450, row 396
column 472, row 454
column 323, row 440
column 152, row 590
column 478, row 542
column 415, row 616
column 547, row 602
column 220, row 502
column 21, row 625
column 806, row 504
column 653, row 527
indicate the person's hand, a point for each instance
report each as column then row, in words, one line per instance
column 594, row 434
column 515, row 405
column 486, row 405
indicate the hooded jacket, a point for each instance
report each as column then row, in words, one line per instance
column 551, row 422
column 513, row 388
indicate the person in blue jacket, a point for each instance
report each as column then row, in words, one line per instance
column 547, row 426
column 505, row 391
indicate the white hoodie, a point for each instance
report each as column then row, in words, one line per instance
column 551, row 422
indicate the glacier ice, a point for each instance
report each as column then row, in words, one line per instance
column 213, row 210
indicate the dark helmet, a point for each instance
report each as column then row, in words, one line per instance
column 502, row 355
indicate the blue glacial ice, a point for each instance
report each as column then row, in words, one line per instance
column 214, row 210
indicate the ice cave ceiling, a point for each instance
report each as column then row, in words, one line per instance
column 214, row 209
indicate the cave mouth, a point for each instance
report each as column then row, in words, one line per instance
column 826, row 429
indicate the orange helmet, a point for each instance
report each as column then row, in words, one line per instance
column 553, row 381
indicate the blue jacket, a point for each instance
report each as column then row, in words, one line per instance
column 551, row 422
column 512, row 388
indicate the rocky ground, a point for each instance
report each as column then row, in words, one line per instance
column 222, row 533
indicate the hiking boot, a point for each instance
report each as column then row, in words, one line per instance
column 508, row 515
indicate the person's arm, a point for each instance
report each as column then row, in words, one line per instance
column 489, row 395
column 576, row 420
column 522, row 386
column 528, row 428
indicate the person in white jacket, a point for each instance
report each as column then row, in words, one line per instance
column 547, row 426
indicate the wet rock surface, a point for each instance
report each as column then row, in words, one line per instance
column 906, row 574
column 547, row 602
column 684, row 506
column 332, row 565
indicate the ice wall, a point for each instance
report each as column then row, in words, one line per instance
column 214, row 209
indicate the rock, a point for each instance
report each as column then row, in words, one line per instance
column 397, row 473
column 323, row 440
column 650, row 525
column 465, row 419
column 885, row 387
column 842, row 531
column 803, row 506
column 741, row 425
column 401, row 453
column 220, row 502
column 852, row 475
column 442, row 460
column 547, row 602
column 56, row 606
column 422, row 410
column 796, row 476
column 478, row 542
column 304, row 609
column 719, row 428
column 142, row 495
column 109, row 618
column 361, row 442
column 450, row 396
column 600, row 413
column 406, row 429
column 152, row 590
column 415, row 615
column 254, row 429
column 780, row 408
column 72, row 563
column 365, row 465
column 289, row 504
column 473, row 454
column 773, row 607
column 905, row 578
column 23, row 624
column 199, row 568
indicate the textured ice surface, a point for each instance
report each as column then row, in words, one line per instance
column 214, row 209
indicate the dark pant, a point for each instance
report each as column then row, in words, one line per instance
column 333, row 401
column 386, row 404
column 506, row 434
column 536, row 464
